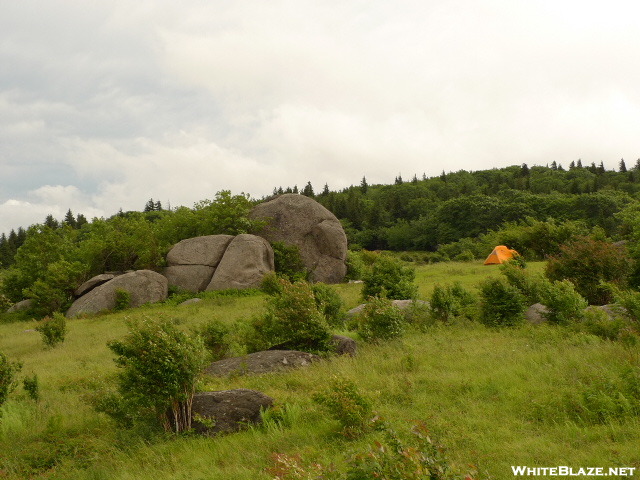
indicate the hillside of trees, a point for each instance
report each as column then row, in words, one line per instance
column 458, row 215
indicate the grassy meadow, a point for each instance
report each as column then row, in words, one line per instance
column 539, row 396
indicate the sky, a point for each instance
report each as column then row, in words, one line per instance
column 106, row 104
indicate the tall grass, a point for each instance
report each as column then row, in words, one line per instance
column 534, row 395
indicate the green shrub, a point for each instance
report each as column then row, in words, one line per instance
column 587, row 263
column 451, row 301
column 270, row 284
column 564, row 303
column 348, row 406
column 329, row 303
column 53, row 329
column 355, row 266
column 389, row 278
column 532, row 286
column 465, row 256
column 380, row 320
column 214, row 335
column 598, row 322
column 501, row 305
column 288, row 262
column 32, row 387
column 159, row 368
column 8, row 372
column 122, row 300
column 292, row 321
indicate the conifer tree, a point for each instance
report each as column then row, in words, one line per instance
column 364, row 186
column 622, row 168
column 307, row 191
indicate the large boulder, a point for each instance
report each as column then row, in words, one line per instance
column 536, row 314
column 206, row 250
column 193, row 261
column 301, row 221
column 228, row 410
column 144, row 286
column 261, row 362
column 244, row 264
column 21, row 306
column 92, row 283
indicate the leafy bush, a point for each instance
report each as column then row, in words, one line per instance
column 159, row 368
column 347, row 405
column 123, row 300
column 380, row 320
column 587, row 263
column 288, row 262
column 532, row 286
column 355, row 266
column 451, row 301
column 329, row 303
column 270, row 284
column 214, row 336
column 292, row 320
column 501, row 305
column 564, row 303
column 8, row 381
column 389, row 278
column 53, row 329
column 598, row 322
column 31, row 385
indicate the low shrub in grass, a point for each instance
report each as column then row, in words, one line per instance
column 564, row 303
column 356, row 267
column 501, row 305
column 214, row 335
column 8, row 380
column 347, row 405
column 380, row 320
column 122, row 300
column 159, row 368
column 329, row 303
column 53, row 329
column 288, row 262
column 292, row 321
column 31, row 385
column 389, row 278
column 532, row 286
column 450, row 301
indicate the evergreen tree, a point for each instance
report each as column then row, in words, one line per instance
column 295, row 189
column 398, row 180
column 622, row 168
column 51, row 222
column 524, row 170
column 150, row 206
column 280, row 191
column 364, row 186
column 81, row 220
column 325, row 190
column 600, row 169
column 157, row 206
column 414, row 180
column 637, row 166
column 572, row 165
column 307, row 191
column 554, row 165
column 579, row 163
column 70, row 220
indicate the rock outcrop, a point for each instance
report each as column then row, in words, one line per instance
column 92, row 283
column 228, row 410
column 219, row 262
column 144, row 286
column 301, row 221
column 261, row 362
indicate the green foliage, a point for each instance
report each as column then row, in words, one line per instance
column 288, row 262
column 389, row 278
column 8, row 372
column 380, row 320
column 451, row 301
column 348, row 406
column 159, row 368
column 329, row 304
column 214, row 335
column 53, row 291
column 588, row 263
column 31, row 385
column 292, row 320
column 501, row 305
column 271, row 284
column 53, row 329
column 355, row 266
column 599, row 323
column 122, row 300
column 532, row 286
column 565, row 305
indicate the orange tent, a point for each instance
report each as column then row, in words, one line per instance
column 500, row 254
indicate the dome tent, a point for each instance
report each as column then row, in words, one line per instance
column 500, row 254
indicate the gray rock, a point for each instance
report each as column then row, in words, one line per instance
column 536, row 314
column 144, row 286
column 612, row 310
column 206, row 250
column 261, row 362
column 344, row 345
column 92, row 283
column 246, row 261
column 301, row 221
column 20, row 306
column 401, row 304
column 193, row 278
column 191, row 301
column 228, row 411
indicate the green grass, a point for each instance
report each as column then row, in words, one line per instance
column 494, row 398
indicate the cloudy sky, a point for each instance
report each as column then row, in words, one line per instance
column 105, row 104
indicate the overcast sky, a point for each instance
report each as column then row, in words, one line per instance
column 105, row 104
